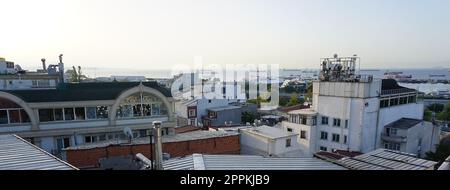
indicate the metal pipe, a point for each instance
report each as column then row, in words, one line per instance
column 158, row 146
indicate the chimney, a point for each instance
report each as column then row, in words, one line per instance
column 61, row 69
column 43, row 64
column 158, row 146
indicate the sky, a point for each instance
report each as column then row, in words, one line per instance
column 150, row 34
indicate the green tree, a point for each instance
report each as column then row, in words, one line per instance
column 257, row 101
column 247, row 117
column 445, row 114
column 437, row 108
column 75, row 75
column 293, row 100
column 308, row 95
column 427, row 115
column 441, row 153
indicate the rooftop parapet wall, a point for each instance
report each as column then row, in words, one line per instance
column 347, row 89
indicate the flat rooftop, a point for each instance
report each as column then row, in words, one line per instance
column 307, row 111
column 269, row 132
column 222, row 108
column 189, row 136
column 18, row 154
column 404, row 123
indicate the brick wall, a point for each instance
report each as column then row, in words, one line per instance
column 88, row 158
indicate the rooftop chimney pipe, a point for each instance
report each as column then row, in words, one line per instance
column 158, row 146
column 43, row 64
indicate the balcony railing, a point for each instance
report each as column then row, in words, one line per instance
column 393, row 138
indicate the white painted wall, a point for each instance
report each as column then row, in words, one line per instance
column 268, row 146
column 307, row 146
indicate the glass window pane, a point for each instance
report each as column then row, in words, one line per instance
column 46, row 115
column 163, row 110
column 137, row 112
column 79, row 113
column 91, row 112
column 102, row 112
column 155, row 109
column 68, row 114
column 3, row 117
column 58, row 114
column 147, row 110
column 102, row 137
column 126, row 111
column 24, row 116
column 14, row 116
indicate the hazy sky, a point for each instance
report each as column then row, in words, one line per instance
column 158, row 34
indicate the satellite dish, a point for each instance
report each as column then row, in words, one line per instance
column 128, row 133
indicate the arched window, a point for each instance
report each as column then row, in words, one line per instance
column 141, row 104
column 11, row 113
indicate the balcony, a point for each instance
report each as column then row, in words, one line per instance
column 393, row 138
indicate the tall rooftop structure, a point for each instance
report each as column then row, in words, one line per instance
column 340, row 69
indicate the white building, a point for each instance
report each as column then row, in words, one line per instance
column 13, row 77
column 80, row 113
column 269, row 141
column 351, row 112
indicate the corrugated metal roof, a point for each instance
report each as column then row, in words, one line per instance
column 382, row 159
column 18, row 154
column 247, row 162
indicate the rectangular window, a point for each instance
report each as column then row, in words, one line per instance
column 3, row 117
column 346, row 123
column 102, row 112
column 192, row 112
column 68, row 114
column 288, row 142
column 58, row 114
column 392, row 146
column 314, row 120
column 192, row 122
column 323, row 135
column 46, row 115
column 212, row 114
column 336, row 122
column 412, row 99
column 102, row 137
column 80, row 114
column 289, row 129
column 322, row 148
column 143, row 133
column 335, row 138
column 155, row 109
column 147, row 110
column 345, row 139
column 303, row 119
column 91, row 112
column 324, row 120
column 137, row 112
column 303, row 134
column 24, row 115
column 14, row 116
column 384, row 103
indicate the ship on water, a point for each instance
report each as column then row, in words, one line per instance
column 396, row 75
